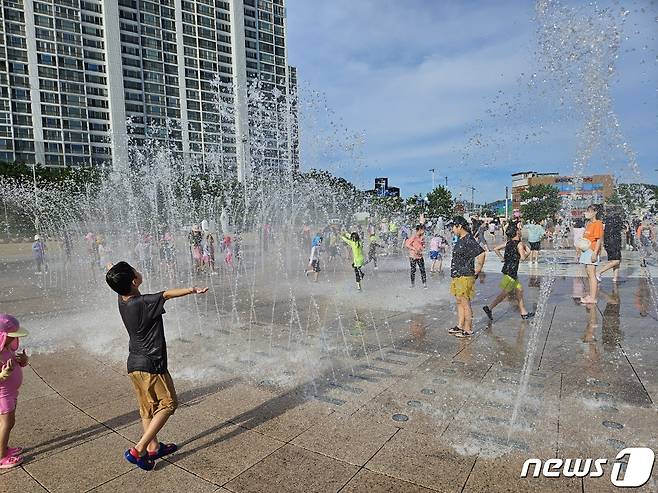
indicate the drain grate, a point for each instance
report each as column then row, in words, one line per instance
column 613, row 425
column 428, row 391
column 400, row 417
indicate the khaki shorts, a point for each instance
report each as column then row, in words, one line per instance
column 155, row 392
column 463, row 287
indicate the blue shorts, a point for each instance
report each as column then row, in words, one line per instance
column 434, row 255
column 586, row 258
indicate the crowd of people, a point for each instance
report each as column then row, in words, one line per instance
column 469, row 241
column 472, row 239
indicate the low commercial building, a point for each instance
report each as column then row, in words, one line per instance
column 580, row 192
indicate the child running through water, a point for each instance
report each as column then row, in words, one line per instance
column 437, row 243
column 357, row 256
column 11, row 377
column 515, row 251
column 314, row 259
column 147, row 359
column 416, row 245
column 372, row 249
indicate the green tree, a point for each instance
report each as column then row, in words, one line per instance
column 637, row 199
column 540, row 202
column 414, row 206
column 440, row 202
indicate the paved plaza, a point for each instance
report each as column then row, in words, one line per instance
column 329, row 390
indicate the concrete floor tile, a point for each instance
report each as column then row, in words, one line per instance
column 234, row 402
column 16, row 479
column 292, row 469
column 285, row 420
column 351, row 439
column 83, row 467
column 503, row 475
column 165, row 477
column 367, row 482
column 423, row 460
column 222, row 454
column 48, row 425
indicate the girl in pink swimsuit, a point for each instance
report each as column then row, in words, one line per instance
column 11, row 377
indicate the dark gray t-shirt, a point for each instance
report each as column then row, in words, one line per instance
column 463, row 257
column 142, row 316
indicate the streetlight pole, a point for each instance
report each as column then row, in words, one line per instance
column 472, row 199
column 506, row 201
column 446, row 183
column 433, row 170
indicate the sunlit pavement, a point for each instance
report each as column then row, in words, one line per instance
column 333, row 390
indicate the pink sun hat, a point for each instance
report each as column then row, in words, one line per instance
column 10, row 327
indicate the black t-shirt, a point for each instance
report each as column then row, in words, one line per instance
column 142, row 316
column 511, row 259
column 463, row 257
column 612, row 231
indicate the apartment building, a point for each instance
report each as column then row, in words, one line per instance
column 81, row 79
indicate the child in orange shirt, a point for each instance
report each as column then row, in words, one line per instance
column 590, row 256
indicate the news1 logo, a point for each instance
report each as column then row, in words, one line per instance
column 632, row 467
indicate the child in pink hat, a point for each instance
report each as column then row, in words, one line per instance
column 11, row 377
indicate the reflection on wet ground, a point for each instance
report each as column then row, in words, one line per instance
column 383, row 357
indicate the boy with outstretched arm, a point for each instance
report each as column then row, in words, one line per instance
column 147, row 359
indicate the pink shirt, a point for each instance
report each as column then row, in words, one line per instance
column 415, row 244
column 435, row 243
column 9, row 388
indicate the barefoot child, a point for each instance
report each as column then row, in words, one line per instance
column 11, row 377
column 437, row 243
column 314, row 258
column 515, row 251
column 147, row 359
column 354, row 242
column 372, row 249
column 590, row 257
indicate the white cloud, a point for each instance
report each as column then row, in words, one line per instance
column 416, row 76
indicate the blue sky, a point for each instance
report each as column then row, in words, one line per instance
column 394, row 88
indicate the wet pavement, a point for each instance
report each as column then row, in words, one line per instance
column 286, row 385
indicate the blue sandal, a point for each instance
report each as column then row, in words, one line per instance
column 144, row 462
column 163, row 449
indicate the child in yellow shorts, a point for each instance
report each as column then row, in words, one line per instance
column 464, row 271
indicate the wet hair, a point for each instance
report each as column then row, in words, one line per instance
column 598, row 209
column 419, row 227
column 355, row 237
column 578, row 223
column 461, row 221
column 120, row 277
